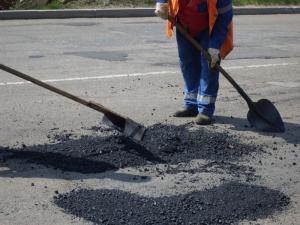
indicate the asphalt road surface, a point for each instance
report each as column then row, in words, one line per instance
column 131, row 67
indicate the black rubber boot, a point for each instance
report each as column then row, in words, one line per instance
column 203, row 119
column 186, row 112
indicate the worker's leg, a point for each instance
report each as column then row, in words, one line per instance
column 190, row 66
column 209, row 82
column 208, row 90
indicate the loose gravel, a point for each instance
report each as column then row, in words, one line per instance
column 225, row 204
column 163, row 144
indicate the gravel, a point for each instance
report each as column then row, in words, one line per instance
column 163, row 144
column 225, row 204
column 174, row 147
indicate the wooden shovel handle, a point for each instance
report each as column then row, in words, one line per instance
column 91, row 104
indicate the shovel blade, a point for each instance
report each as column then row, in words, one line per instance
column 134, row 130
column 128, row 127
column 265, row 117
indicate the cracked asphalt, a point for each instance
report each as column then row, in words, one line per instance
column 129, row 66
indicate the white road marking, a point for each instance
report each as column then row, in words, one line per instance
column 140, row 74
column 259, row 66
column 285, row 84
column 93, row 78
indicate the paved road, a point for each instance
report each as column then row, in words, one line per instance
column 128, row 65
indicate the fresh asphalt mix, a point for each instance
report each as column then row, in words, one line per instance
column 168, row 145
column 58, row 163
column 225, row 204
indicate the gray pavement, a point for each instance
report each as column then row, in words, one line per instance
column 129, row 65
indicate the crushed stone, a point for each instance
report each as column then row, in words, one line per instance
column 225, row 204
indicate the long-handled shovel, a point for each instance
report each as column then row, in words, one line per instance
column 124, row 124
column 262, row 114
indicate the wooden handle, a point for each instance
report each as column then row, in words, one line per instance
column 93, row 105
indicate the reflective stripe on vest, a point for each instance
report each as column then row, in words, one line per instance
column 213, row 13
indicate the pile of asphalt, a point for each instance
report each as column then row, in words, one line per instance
column 186, row 142
column 164, row 144
column 167, row 144
column 225, row 204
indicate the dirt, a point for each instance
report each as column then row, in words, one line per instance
column 225, row 204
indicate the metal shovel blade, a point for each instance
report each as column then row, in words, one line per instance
column 127, row 126
column 134, row 130
column 264, row 116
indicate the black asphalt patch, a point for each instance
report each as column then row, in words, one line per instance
column 225, row 204
column 101, row 55
column 36, row 56
column 163, row 144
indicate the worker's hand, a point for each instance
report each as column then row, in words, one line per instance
column 215, row 57
column 162, row 10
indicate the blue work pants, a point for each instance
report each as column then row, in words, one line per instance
column 201, row 83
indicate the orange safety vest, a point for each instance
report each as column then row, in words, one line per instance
column 213, row 15
column 190, row 17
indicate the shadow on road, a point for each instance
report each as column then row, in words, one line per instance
column 292, row 134
column 88, row 155
column 86, row 168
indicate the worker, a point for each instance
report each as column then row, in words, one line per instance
column 210, row 23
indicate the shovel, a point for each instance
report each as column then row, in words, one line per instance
column 263, row 115
column 125, row 125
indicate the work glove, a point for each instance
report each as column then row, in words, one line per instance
column 162, row 10
column 215, row 57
